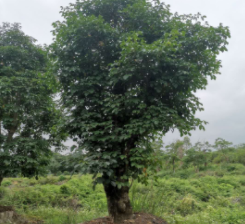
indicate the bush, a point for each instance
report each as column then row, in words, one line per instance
column 62, row 178
column 65, row 190
column 48, row 180
column 6, row 183
column 3, row 192
column 219, row 173
column 185, row 174
column 58, row 173
column 188, row 205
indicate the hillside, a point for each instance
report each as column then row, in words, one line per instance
column 212, row 195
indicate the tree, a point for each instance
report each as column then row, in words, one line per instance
column 175, row 152
column 198, row 155
column 187, row 143
column 222, row 145
column 129, row 71
column 27, row 110
column 65, row 163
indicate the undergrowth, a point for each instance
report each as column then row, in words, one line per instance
column 215, row 195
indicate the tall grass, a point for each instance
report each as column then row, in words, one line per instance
column 205, row 197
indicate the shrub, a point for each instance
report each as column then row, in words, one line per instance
column 188, row 205
column 185, row 174
column 219, row 173
column 6, row 183
column 62, row 178
column 48, row 180
column 3, row 192
column 65, row 189
column 58, row 173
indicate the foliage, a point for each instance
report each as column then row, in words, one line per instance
column 213, row 195
column 198, row 155
column 205, row 198
column 64, row 163
column 27, row 109
column 174, row 152
column 221, row 144
column 129, row 70
column 62, row 178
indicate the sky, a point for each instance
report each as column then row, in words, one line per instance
column 223, row 99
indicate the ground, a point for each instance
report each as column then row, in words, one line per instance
column 139, row 218
column 7, row 214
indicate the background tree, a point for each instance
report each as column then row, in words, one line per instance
column 158, row 154
column 174, row 152
column 222, row 145
column 27, row 110
column 198, row 155
column 129, row 70
column 65, row 163
column 187, row 143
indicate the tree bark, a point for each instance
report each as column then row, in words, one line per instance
column 1, row 179
column 119, row 206
column 173, row 166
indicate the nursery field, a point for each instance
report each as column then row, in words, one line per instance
column 215, row 194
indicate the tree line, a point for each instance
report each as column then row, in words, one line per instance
column 179, row 155
column 182, row 154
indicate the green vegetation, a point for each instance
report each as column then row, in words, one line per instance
column 129, row 71
column 212, row 194
column 27, row 108
column 126, row 73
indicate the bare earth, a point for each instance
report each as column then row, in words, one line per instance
column 139, row 218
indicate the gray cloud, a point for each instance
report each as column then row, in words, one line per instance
column 223, row 99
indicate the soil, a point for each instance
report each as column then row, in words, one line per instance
column 6, row 209
column 138, row 218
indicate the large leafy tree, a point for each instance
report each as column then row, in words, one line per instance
column 27, row 109
column 129, row 70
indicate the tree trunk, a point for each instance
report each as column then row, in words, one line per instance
column 173, row 166
column 118, row 203
column 1, row 179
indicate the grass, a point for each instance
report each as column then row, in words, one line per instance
column 215, row 195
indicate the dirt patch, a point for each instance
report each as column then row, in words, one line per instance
column 6, row 209
column 138, row 218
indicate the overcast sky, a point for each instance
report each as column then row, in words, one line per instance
column 224, row 98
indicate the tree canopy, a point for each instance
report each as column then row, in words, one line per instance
column 27, row 110
column 129, row 70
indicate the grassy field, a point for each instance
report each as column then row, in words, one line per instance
column 214, row 195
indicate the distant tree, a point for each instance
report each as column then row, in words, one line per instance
column 129, row 70
column 187, row 143
column 240, row 146
column 174, row 152
column 27, row 109
column 198, row 155
column 222, row 145
column 65, row 163
column 57, row 163
column 158, row 153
